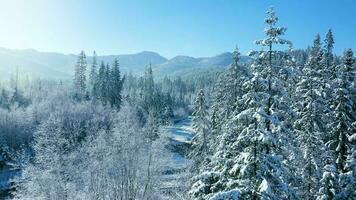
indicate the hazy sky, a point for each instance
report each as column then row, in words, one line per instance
column 169, row 27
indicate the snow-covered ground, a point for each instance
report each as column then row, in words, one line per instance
column 175, row 181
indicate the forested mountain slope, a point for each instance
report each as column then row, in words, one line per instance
column 60, row 66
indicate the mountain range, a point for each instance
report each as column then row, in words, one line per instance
column 61, row 66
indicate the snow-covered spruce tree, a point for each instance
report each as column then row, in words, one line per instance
column 107, row 83
column 80, row 75
column 218, row 109
column 116, row 85
column 328, row 57
column 93, row 75
column 103, row 83
column 253, row 164
column 348, row 179
column 228, row 90
column 316, row 70
column 329, row 184
column 100, row 84
column 328, row 75
column 148, row 89
column 307, row 127
column 349, row 67
column 152, row 127
column 344, row 114
column 201, row 125
column 269, row 133
column 228, row 103
column 236, row 76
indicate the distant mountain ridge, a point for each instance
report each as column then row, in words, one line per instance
column 60, row 66
column 180, row 65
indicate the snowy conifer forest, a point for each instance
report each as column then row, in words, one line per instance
column 276, row 124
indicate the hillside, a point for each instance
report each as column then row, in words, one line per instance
column 60, row 66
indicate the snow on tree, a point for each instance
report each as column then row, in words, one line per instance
column 116, row 85
column 93, row 75
column 101, row 84
column 309, row 126
column 268, row 133
column 201, row 125
column 308, row 129
column 228, row 91
column 79, row 156
column 342, row 126
column 328, row 57
column 253, row 160
column 329, row 183
column 80, row 75
column 348, row 179
column 313, row 75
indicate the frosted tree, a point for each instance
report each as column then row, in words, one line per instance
column 152, row 127
column 350, row 69
column 308, row 129
column 313, row 75
column 228, row 90
column 201, row 126
column 268, row 134
column 4, row 99
column 148, row 90
column 328, row 57
column 348, row 179
column 107, row 86
column 267, row 69
column 236, row 76
column 93, row 75
column 80, row 75
column 329, row 184
column 252, row 163
column 116, row 85
column 328, row 73
column 342, row 123
column 100, row 84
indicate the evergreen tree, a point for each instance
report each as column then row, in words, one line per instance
column 328, row 57
column 4, row 99
column 236, row 77
column 314, row 69
column 116, row 85
column 267, row 134
column 107, row 85
column 80, row 75
column 152, row 127
column 228, row 92
column 348, row 179
column 342, row 123
column 253, row 161
column 148, row 90
column 93, row 75
column 201, row 126
column 329, row 184
column 100, row 83
column 308, row 128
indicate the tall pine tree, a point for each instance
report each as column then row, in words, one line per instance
column 116, row 85
column 80, row 76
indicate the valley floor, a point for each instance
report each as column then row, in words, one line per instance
column 176, row 178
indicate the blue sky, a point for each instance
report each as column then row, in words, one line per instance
column 169, row 27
